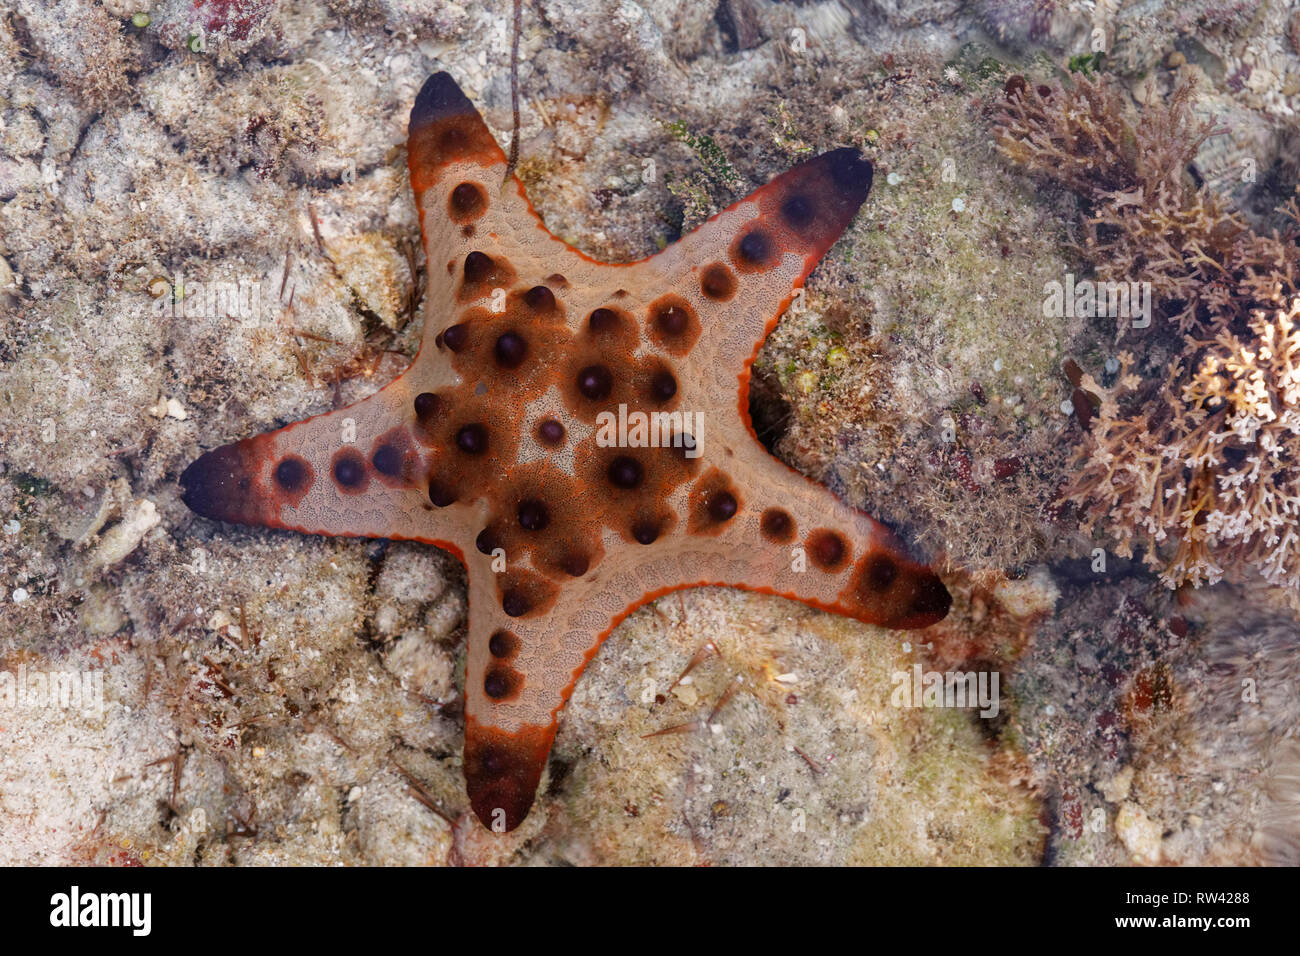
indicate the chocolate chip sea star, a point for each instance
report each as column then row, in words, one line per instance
column 578, row 434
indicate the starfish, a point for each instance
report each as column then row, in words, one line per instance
column 578, row 434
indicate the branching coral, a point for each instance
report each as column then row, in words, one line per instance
column 1146, row 221
column 1203, row 472
column 1212, row 465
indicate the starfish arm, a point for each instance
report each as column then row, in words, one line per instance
column 790, row 536
column 356, row 471
column 736, row 274
column 521, row 670
column 516, row 680
column 482, row 237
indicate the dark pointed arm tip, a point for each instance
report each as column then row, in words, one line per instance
column 439, row 99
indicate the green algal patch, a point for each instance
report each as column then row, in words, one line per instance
column 31, row 487
column 1087, row 63
column 786, row 135
column 717, row 168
